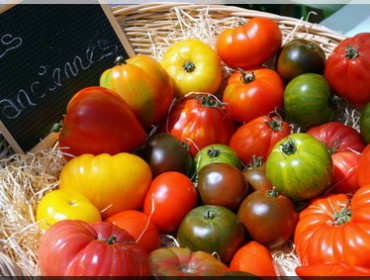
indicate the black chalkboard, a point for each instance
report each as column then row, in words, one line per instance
column 47, row 54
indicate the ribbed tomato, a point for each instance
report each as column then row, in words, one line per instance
column 363, row 174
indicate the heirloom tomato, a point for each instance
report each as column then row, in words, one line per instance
column 300, row 56
column 337, row 226
column 300, row 167
column 77, row 248
column 164, row 152
column 269, row 217
column 363, row 174
column 348, row 69
column 338, row 137
column 112, row 183
column 365, row 123
column 143, row 83
column 221, row 184
column 331, row 269
column 175, row 262
column 345, row 172
column 250, row 44
column 307, row 100
column 60, row 205
column 255, row 174
column 194, row 67
column 199, row 120
column 251, row 94
column 258, row 136
column 216, row 153
column 253, row 258
column 170, row 197
column 213, row 229
column 139, row 225
column 99, row 121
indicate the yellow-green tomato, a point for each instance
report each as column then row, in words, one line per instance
column 194, row 67
column 113, row 183
column 60, row 205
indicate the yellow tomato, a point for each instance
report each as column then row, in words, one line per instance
column 194, row 67
column 112, row 183
column 60, row 205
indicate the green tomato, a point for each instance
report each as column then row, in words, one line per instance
column 300, row 167
column 213, row 229
column 307, row 100
column 221, row 153
column 365, row 123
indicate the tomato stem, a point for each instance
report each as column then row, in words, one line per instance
column 213, row 152
column 120, row 60
column 189, row 66
column 255, row 162
column 352, row 52
column 342, row 216
column 273, row 193
column 288, row 147
column 209, row 215
column 111, row 240
column 274, row 124
column 246, row 78
column 57, row 127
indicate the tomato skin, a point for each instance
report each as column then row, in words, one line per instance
column 300, row 167
column 258, row 137
column 194, row 67
column 300, row 56
column 77, row 248
column 347, row 69
column 251, row 94
column 345, row 172
column 241, row 47
column 338, row 227
column 176, row 261
column 253, row 258
column 338, row 137
column 139, row 225
column 199, row 120
column 363, row 174
column 111, row 183
column 331, row 269
column 99, row 121
column 273, row 226
column 306, row 101
column 365, row 123
column 212, row 228
column 170, row 197
column 143, row 83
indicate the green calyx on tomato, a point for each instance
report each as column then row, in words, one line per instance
column 351, row 52
column 189, row 66
column 342, row 216
column 246, row 77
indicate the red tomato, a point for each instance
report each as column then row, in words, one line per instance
column 200, row 120
column 335, row 228
column 169, row 198
column 77, row 248
column 348, row 69
column 253, row 94
column 331, row 269
column 174, row 262
column 253, row 258
column 338, row 137
column 258, row 137
column 249, row 45
column 363, row 173
column 345, row 172
column 139, row 225
column 99, row 121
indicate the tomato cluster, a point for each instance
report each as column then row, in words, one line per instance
column 230, row 171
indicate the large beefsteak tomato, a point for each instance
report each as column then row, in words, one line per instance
column 143, row 83
column 363, row 174
column 253, row 94
column 348, row 69
column 335, row 228
column 199, row 120
column 77, row 248
column 250, row 44
column 99, row 121
column 112, row 183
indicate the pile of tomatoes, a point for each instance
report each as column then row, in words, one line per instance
column 231, row 166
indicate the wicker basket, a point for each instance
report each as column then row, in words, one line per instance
column 150, row 28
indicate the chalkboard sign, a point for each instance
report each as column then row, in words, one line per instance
column 47, row 54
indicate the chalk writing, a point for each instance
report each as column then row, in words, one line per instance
column 8, row 43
